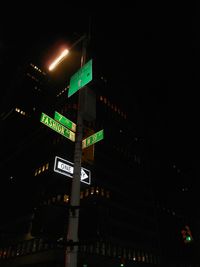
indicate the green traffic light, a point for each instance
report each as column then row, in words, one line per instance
column 188, row 238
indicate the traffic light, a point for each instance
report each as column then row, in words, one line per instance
column 187, row 234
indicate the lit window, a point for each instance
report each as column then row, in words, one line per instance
column 97, row 190
column 66, row 198
column 36, row 172
column 143, row 257
column 39, row 171
column 101, row 98
column 43, row 168
column 134, row 256
column 47, row 166
column 92, row 190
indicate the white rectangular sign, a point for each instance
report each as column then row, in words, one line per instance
column 66, row 168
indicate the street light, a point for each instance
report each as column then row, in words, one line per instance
column 58, row 60
column 72, row 233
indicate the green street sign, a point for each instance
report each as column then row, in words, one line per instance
column 93, row 139
column 80, row 78
column 66, row 122
column 54, row 125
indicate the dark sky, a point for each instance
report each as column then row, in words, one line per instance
column 148, row 54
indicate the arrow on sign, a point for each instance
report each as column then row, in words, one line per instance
column 83, row 175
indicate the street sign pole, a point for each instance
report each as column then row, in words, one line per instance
column 71, row 255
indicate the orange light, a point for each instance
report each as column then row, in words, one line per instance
column 58, row 59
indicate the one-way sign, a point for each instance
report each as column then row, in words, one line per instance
column 66, row 168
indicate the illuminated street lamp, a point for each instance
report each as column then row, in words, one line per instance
column 58, row 60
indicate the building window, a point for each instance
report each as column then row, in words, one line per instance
column 92, row 190
column 97, row 190
column 47, row 166
column 86, row 192
column 58, row 198
column 66, row 198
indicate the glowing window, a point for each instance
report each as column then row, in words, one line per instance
column 92, row 190
column 36, row 172
column 101, row 98
column 47, row 166
column 39, row 171
column 43, row 168
column 66, row 198
column 97, row 190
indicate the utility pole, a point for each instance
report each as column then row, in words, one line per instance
column 71, row 253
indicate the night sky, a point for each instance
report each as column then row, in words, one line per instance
column 147, row 53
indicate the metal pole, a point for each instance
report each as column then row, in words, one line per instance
column 71, row 253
